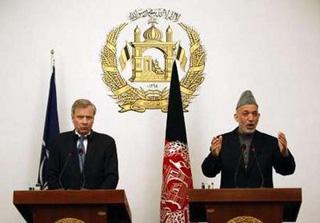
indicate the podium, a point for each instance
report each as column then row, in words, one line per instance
column 259, row 205
column 73, row 206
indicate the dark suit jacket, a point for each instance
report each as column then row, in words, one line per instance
column 100, row 167
column 264, row 154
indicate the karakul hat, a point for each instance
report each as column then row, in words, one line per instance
column 246, row 98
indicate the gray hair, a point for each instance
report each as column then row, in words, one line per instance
column 82, row 103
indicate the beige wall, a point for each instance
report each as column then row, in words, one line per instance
column 271, row 47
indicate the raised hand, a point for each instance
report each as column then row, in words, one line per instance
column 216, row 144
column 282, row 142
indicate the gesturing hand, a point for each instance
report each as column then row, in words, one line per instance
column 282, row 142
column 216, row 144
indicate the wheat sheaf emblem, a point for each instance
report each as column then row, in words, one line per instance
column 130, row 98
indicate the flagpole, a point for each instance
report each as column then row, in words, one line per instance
column 51, row 128
column 52, row 57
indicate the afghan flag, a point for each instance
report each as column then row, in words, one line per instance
column 176, row 173
column 51, row 130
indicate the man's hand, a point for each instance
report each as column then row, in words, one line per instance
column 216, row 144
column 282, row 142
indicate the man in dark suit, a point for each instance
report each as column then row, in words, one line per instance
column 83, row 158
column 245, row 157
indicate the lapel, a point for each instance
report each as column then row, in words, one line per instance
column 90, row 149
column 237, row 152
column 254, row 154
column 74, row 150
column 235, row 144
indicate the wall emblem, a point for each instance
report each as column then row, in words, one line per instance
column 244, row 219
column 138, row 73
column 69, row 220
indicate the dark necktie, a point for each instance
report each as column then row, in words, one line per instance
column 246, row 156
column 246, row 139
column 81, row 152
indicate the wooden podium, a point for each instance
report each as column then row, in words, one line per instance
column 258, row 205
column 73, row 206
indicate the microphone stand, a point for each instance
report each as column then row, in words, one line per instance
column 242, row 148
column 259, row 167
column 63, row 169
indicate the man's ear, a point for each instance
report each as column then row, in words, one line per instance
column 72, row 118
column 235, row 116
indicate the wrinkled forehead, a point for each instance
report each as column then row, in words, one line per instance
column 84, row 111
column 248, row 108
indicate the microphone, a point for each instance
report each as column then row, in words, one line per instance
column 258, row 165
column 236, row 172
column 63, row 169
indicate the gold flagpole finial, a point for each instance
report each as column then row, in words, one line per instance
column 52, row 57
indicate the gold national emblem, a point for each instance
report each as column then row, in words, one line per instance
column 69, row 220
column 139, row 73
column 244, row 219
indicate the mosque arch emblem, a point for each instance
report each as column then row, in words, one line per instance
column 151, row 71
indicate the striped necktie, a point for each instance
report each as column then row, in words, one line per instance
column 81, row 152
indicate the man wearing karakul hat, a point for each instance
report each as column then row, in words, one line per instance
column 245, row 157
